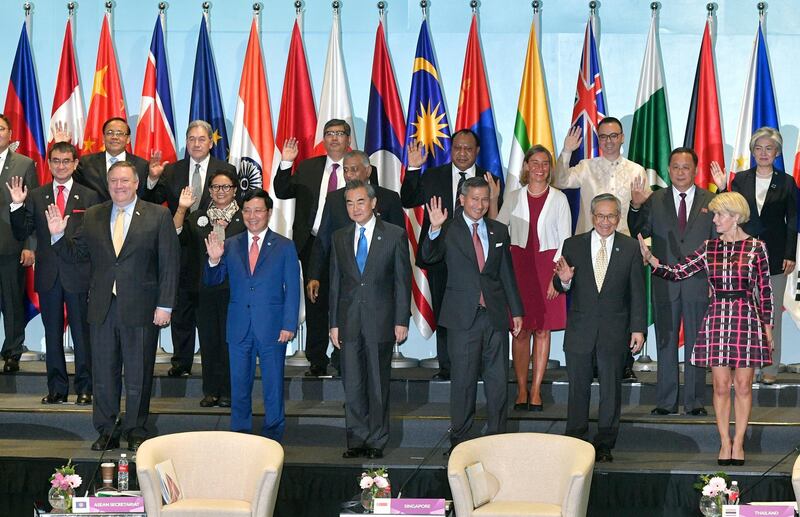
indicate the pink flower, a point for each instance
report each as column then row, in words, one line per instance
column 366, row 482
column 381, row 482
column 708, row 491
column 73, row 480
column 58, row 480
column 717, row 484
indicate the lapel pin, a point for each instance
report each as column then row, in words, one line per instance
column 47, row 196
column 269, row 244
column 379, row 237
column 76, row 196
column 137, row 212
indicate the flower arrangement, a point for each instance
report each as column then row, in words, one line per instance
column 374, row 483
column 62, row 486
column 715, row 490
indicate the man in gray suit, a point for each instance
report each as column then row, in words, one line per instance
column 607, row 318
column 370, row 300
column 677, row 220
column 14, row 255
column 133, row 250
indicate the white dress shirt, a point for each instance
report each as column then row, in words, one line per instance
column 762, row 186
column 323, row 189
column 595, row 249
column 456, row 177
column 121, row 157
column 676, row 197
column 369, row 229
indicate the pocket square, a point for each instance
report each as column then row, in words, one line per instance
column 704, row 210
column 78, row 210
column 497, row 245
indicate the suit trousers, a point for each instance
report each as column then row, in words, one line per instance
column 778, row 287
column 212, row 316
column 610, row 366
column 316, row 313
column 366, row 372
column 271, row 358
column 117, row 345
column 183, row 326
column 479, row 351
column 51, row 304
column 667, row 323
column 12, row 285
column 437, row 281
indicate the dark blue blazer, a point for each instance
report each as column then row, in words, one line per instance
column 269, row 299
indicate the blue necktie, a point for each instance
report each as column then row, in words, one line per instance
column 361, row 252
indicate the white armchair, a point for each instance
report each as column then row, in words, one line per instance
column 529, row 474
column 220, row 474
column 796, row 480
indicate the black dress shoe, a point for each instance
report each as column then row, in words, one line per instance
column 535, row 407
column 209, row 401
column 660, row 411
column 698, row 411
column 442, row 375
column 84, row 399
column 224, row 402
column 179, row 371
column 603, row 456
column 317, row 371
column 354, row 452
column 375, row 454
column 629, row 375
column 521, row 406
column 54, row 399
column 11, row 365
column 105, row 443
column 134, row 442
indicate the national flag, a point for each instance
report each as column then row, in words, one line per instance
column 475, row 105
column 532, row 124
column 156, row 128
column 704, row 126
column 252, row 145
column 759, row 107
column 427, row 123
column 335, row 97
column 650, row 143
column 107, row 100
column 67, row 99
column 205, row 103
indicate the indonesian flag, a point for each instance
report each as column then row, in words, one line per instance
column 335, row 98
column 156, row 128
column 107, row 100
column 67, row 100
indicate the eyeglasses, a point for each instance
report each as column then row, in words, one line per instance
column 610, row 136
column 60, row 163
column 224, row 188
column 254, row 211
column 117, row 133
column 606, row 217
column 336, row 133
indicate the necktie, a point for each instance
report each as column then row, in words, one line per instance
column 361, row 251
column 682, row 212
column 478, row 245
column 462, row 178
column 601, row 265
column 61, row 201
column 118, row 238
column 333, row 181
column 253, row 254
column 197, row 189
column 112, row 161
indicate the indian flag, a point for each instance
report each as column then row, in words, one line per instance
column 532, row 125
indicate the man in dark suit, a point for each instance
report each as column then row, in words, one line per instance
column 678, row 221
column 607, row 318
column 132, row 248
column 57, row 281
column 193, row 172
column 309, row 186
column 14, row 255
column 481, row 291
column 370, row 300
column 264, row 276
column 444, row 182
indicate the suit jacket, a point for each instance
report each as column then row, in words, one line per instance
column 14, row 165
column 465, row 282
column 605, row 319
column 304, row 186
column 372, row 303
column 177, row 176
column 335, row 216
column 777, row 223
column 268, row 299
column 146, row 270
column 31, row 218
column 91, row 173
column 192, row 239
column 658, row 219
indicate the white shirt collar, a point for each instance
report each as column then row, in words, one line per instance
column 470, row 171
column 121, row 157
column 368, row 227
column 67, row 184
column 260, row 235
column 609, row 240
column 203, row 163
column 4, row 155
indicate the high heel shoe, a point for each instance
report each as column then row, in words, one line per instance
column 521, row 406
column 725, row 463
column 736, row 463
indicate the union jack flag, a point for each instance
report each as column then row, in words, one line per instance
column 590, row 100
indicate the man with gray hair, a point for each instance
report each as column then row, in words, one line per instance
column 607, row 318
column 165, row 183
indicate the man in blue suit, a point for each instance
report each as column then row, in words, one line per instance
column 264, row 275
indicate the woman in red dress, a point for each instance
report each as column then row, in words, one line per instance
column 538, row 219
column 736, row 334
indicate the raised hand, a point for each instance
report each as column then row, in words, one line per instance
column 640, row 192
column 55, row 222
column 156, row 165
column 17, row 189
column 494, row 185
column 437, row 214
column 187, row 198
column 417, row 154
column 718, row 175
column 215, row 248
column 573, row 139
column 647, row 255
column 61, row 132
column 564, row 271
column 290, row 150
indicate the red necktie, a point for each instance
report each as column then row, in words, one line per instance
column 253, row 254
column 682, row 213
column 476, row 243
column 61, row 203
column 333, row 181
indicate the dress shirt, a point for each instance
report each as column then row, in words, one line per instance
column 676, row 197
column 597, row 176
column 762, row 186
column 483, row 233
column 3, row 157
column 126, row 223
column 121, row 157
column 595, row 249
column 323, row 189
column 260, row 241
column 456, row 177
column 369, row 229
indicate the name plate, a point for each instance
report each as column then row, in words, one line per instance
column 409, row 506
column 108, row 505
column 757, row 510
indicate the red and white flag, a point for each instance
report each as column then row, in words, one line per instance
column 67, row 100
column 334, row 100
